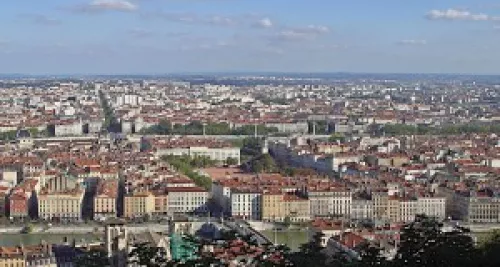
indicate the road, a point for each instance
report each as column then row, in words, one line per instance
column 244, row 230
column 155, row 227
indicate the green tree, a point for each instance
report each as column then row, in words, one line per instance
column 231, row 161
column 186, row 165
column 144, row 254
column 287, row 221
column 251, row 147
column 33, row 131
column 337, row 137
column 164, row 127
column 489, row 251
column 274, row 256
column 263, row 163
column 370, row 256
column 424, row 243
column 311, row 254
column 92, row 258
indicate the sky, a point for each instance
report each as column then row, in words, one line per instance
column 178, row 36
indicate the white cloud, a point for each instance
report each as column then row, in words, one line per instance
column 107, row 5
column 457, row 14
column 290, row 35
column 301, row 33
column 219, row 20
column 264, row 23
column 190, row 18
column 316, row 29
column 412, row 42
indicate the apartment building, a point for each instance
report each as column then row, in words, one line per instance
column 380, row 205
column 341, row 201
column 187, row 199
column 478, row 207
column 407, row 210
column 297, row 208
column 63, row 205
column 393, row 209
column 161, row 202
column 106, row 199
column 246, row 204
column 278, row 207
column 28, row 256
column 334, row 162
column 432, row 206
column 68, row 128
column 321, row 202
column 361, row 209
column 328, row 228
column 138, row 204
column 404, row 209
column 215, row 150
column 289, row 127
column 272, row 206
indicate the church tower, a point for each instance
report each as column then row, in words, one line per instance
column 116, row 241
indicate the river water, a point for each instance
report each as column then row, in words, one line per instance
column 292, row 238
column 7, row 239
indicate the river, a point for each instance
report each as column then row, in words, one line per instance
column 15, row 239
column 292, row 238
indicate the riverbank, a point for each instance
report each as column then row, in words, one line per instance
column 82, row 229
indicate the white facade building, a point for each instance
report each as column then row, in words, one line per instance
column 246, row 204
column 69, row 129
column 432, row 207
column 187, row 199
column 219, row 154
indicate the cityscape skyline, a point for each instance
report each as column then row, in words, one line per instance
column 150, row 37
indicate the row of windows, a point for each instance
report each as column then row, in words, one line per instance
column 192, row 203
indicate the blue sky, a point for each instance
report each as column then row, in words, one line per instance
column 164, row 36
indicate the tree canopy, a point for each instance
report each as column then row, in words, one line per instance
column 165, row 127
column 423, row 243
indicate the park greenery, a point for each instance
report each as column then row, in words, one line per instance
column 423, row 243
column 11, row 135
column 27, row 229
column 449, row 129
column 165, row 127
column 8, row 135
column 265, row 163
column 187, row 165
column 337, row 137
column 321, row 127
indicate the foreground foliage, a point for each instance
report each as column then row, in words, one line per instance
column 424, row 243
